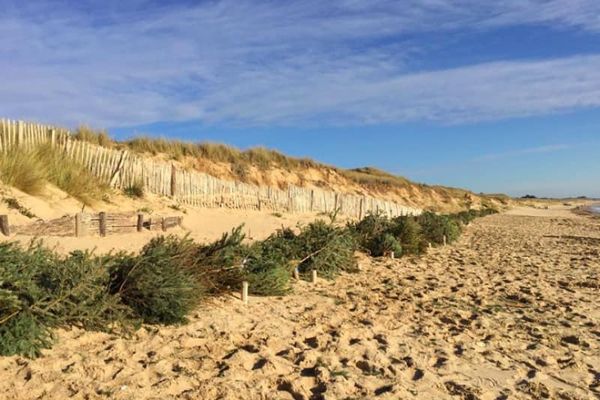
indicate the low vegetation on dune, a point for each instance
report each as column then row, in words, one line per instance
column 258, row 157
column 30, row 170
column 41, row 290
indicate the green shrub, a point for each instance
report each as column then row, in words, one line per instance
column 434, row 227
column 157, row 284
column 220, row 263
column 369, row 233
column 386, row 244
column 40, row 290
column 267, row 270
column 327, row 249
column 135, row 190
column 408, row 232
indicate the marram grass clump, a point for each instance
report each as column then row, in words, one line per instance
column 32, row 169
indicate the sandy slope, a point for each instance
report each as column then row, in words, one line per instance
column 512, row 311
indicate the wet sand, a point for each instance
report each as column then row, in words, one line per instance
column 511, row 311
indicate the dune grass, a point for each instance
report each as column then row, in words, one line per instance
column 260, row 158
column 31, row 170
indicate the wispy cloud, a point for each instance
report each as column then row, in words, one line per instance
column 524, row 152
column 271, row 62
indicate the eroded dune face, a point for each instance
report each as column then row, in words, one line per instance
column 511, row 311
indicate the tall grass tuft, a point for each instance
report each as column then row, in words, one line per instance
column 70, row 176
column 30, row 170
column 23, row 170
column 87, row 134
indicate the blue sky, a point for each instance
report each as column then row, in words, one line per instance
column 494, row 96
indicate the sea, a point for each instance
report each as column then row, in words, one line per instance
column 595, row 208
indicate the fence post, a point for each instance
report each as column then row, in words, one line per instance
column 312, row 200
column 314, row 276
column 360, row 209
column 20, row 134
column 140, row 222
column 53, row 137
column 173, row 180
column 79, row 225
column 163, row 224
column 102, row 223
column 4, row 226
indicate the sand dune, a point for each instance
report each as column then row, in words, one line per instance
column 512, row 311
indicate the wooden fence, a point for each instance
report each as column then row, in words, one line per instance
column 92, row 224
column 122, row 169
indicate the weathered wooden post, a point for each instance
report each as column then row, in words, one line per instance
column 4, row 226
column 296, row 274
column 102, row 223
column 245, row 292
column 314, row 276
column 392, row 255
column 140, row 222
column 173, row 180
column 79, row 229
column 163, row 224
column 361, row 209
column 445, row 240
column 312, row 200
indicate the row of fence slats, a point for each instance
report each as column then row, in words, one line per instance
column 122, row 170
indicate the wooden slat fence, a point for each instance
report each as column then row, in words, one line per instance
column 121, row 169
column 94, row 224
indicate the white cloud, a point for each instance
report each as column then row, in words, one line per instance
column 278, row 62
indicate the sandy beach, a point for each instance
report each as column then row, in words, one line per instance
column 511, row 311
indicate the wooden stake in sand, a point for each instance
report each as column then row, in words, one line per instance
column 4, row 227
column 102, row 223
column 430, row 246
column 140, row 222
column 296, row 274
column 392, row 255
column 314, row 276
column 78, row 224
column 445, row 240
column 245, row 292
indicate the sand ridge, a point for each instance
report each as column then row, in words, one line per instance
column 511, row 311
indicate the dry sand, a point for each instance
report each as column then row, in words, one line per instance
column 512, row 311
